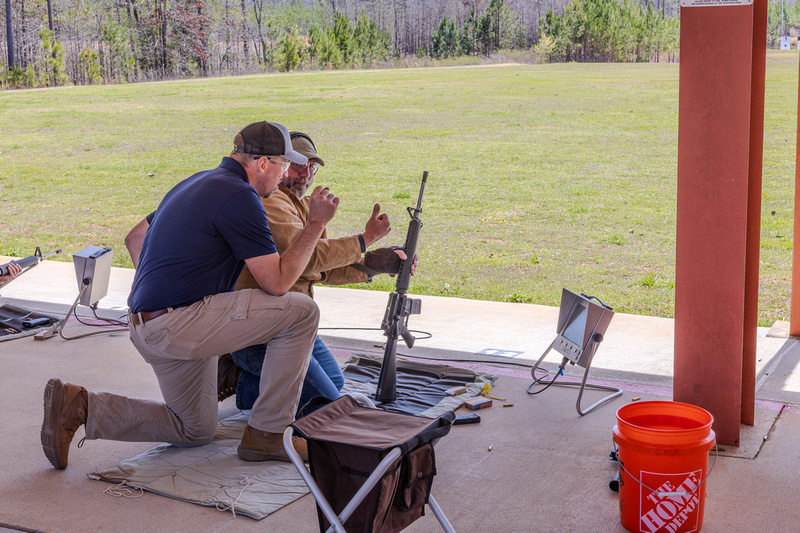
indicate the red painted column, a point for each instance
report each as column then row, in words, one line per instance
column 794, row 319
column 716, row 212
column 754, row 211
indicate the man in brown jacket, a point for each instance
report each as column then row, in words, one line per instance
column 334, row 262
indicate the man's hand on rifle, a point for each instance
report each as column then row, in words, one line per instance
column 377, row 227
column 14, row 270
column 387, row 260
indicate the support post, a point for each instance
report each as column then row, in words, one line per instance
column 718, row 221
column 752, row 257
column 794, row 317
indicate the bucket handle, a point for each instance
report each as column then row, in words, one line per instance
column 665, row 494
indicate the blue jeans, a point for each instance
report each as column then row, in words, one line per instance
column 323, row 378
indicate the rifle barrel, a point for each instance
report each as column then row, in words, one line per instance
column 422, row 190
column 26, row 262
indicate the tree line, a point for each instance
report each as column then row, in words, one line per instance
column 585, row 30
column 783, row 19
column 57, row 42
column 608, row 30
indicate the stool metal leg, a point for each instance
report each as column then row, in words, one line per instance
column 327, row 510
column 439, row 514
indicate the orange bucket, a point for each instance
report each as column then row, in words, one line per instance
column 663, row 461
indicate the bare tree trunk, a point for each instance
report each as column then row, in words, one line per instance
column 225, row 59
column 9, row 35
column 258, row 13
column 50, row 16
column 421, row 30
column 245, row 32
column 204, row 52
column 396, row 29
column 50, row 24
column 163, row 37
column 22, row 42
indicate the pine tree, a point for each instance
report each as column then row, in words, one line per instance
column 53, row 71
column 342, row 34
column 287, row 55
column 89, row 68
column 469, row 35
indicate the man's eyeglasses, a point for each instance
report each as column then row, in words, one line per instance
column 311, row 167
column 284, row 164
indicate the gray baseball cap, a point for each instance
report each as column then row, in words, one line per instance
column 267, row 138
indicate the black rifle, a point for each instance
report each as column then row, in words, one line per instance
column 395, row 320
column 27, row 263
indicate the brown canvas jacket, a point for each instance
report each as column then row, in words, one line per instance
column 287, row 216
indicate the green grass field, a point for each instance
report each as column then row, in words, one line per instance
column 541, row 176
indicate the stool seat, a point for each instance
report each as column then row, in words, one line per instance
column 370, row 468
column 344, row 421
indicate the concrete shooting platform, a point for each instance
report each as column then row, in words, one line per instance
column 548, row 468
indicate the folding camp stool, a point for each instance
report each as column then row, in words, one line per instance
column 376, row 466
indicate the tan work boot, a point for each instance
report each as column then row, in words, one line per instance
column 227, row 376
column 65, row 409
column 262, row 446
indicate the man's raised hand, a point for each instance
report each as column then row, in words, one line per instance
column 377, row 227
column 322, row 205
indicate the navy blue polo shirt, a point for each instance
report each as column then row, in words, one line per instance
column 203, row 230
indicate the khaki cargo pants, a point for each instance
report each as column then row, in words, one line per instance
column 182, row 347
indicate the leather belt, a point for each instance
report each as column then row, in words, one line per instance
column 146, row 316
